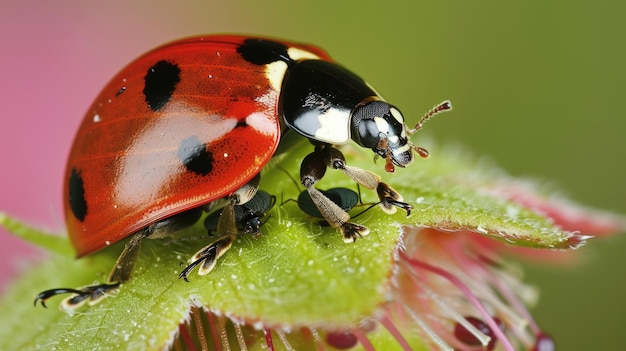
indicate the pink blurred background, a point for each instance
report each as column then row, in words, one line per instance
column 56, row 56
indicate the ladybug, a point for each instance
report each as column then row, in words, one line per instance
column 195, row 121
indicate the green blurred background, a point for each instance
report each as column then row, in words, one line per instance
column 536, row 86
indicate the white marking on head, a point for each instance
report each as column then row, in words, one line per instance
column 334, row 127
column 396, row 114
column 402, row 149
column 400, row 118
column 381, row 125
column 275, row 72
column 301, row 54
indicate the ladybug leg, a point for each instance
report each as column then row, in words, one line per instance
column 206, row 258
column 123, row 267
column 389, row 198
column 92, row 294
column 126, row 261
column 312, row 169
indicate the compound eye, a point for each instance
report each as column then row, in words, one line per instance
column 369, row 133
column 369, row 121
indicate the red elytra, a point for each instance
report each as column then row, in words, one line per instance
column 125, row 171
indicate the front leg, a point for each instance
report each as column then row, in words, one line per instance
column 123, row 267
column 388, row 196
column 312, row 169
column 206, row 258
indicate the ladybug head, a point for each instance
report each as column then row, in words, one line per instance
column 380, row 126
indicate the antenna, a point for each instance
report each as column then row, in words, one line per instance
column 442, row 107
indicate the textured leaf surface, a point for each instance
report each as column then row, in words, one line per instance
column 296, row 274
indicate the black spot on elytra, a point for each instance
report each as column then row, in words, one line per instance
column 262, row 51
column 76, row 195
column 195, row 156
column 241, row 124
column 160, row 83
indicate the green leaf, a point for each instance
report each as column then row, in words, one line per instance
column 296, row 274
column 53, row 243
